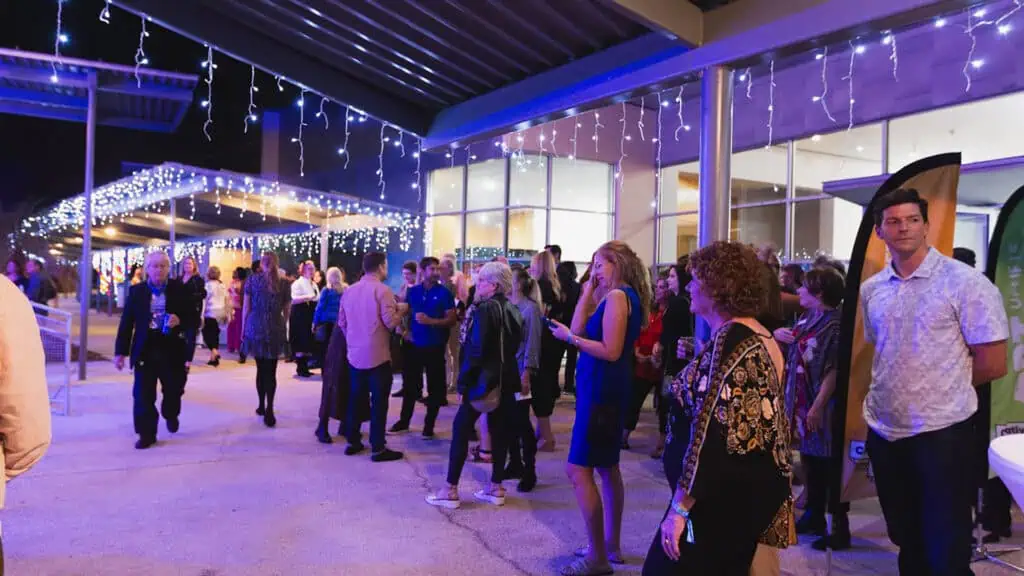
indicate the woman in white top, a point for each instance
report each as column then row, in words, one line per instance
column 216, row 311
column 300, row 326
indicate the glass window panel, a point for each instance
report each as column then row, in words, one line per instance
column 680, row 188
column 841, row 155
column 486, row 184
column 759, row 225
column 528, row 182
column 581, row 185
column 579, row 233
column 485, row 235
column 444, row 235
column 527, row 229
column 825, row 227
column 444, row 190
column 982, row 130
column 678, row 237
column 972, row 231
column 759, row 175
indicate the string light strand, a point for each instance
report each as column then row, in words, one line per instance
column 597, row 128
column 622, row 142
column 322, row 114
column 59, row 38
column 771, row 102
column 854, row 50
column 302, row 124
column 250, row 115
column 823, row 98
column 344, row 146
column 640, row 122
column 381, row 184
column 576, row 124
column 890, row 41
column 208, row 103
column 105, row 12
column 417, row 154
column 679, row 111
column 140, row 53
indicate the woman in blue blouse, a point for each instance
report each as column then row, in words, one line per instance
column 614, row 304
column 325, row 320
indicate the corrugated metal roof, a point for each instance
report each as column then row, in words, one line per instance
column 44, row 86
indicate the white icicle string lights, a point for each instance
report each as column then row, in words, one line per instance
column 576, row 125
column 771, row 102
column 400, row 143
column 554, row 137
column 890, row 41
column 280, row 88
column 140, row 53
column 416, row 183
column 823, row 97
column 344, row 147
column 976, row 19
column 854, row 50
column 657, row 160
column 381, row 183
column 250, row 115
column 622, row 142
column 597, row 128
column 679, row 111
column 748, row 77
column 302, row 124
column 59, row 38
column 322, row 114
column 640, row 122
column 105, row 12
column 208, row 103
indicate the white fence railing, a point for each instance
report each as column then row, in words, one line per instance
column 55, row 333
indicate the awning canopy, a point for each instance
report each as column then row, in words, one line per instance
column 210, row 205
column 44, row 86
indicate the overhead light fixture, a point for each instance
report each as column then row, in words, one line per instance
column 110, row 231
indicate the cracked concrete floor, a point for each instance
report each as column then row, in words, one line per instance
column 226, row 496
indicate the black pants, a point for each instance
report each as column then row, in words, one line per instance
column 522, row 442
column 169, row 369
column 190, row 342
column 266, row 381
column 713, row 552
column 375, row 382
column 821, row 478
column 642, row 388
column 429, row 359
column 571, row 353
column 544, row 386
column 211, row 333
column 926, row 492
column 995, row 511
column 497, row 424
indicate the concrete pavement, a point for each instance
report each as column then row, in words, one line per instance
column 226, row 496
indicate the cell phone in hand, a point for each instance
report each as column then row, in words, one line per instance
column 548, row 322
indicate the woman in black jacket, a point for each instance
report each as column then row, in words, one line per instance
column 488, row 357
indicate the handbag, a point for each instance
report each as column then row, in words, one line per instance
column 490, row 399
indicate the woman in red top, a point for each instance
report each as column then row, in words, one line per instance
column 647, row 372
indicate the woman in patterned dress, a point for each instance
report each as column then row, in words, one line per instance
column 265, row 313
column 733, row 490
column 810, row 382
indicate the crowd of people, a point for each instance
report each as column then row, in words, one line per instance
column 736, row 392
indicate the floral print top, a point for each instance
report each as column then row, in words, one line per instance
column 812, row 355
column 738, row 461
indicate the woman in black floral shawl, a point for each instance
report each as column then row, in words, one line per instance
column 734, row 488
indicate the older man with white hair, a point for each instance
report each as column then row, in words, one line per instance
column 151, row 335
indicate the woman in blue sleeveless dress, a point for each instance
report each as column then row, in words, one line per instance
column 613, row 306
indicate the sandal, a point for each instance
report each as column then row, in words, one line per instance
column 545, row 446
column 583, row 567
column 496, row 498
column 444, row 499
column 481, row 455
column 613, row 557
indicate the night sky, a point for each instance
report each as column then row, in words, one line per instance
column 43, row 160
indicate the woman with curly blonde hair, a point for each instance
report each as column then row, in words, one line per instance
column 731, row 475
column 614, row 305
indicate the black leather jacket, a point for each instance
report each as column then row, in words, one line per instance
column 492, row 320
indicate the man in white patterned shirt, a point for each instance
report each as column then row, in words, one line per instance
column 939, row 328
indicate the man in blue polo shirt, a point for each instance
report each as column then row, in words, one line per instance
column 432, row 310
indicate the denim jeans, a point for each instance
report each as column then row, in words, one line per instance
column 375, row 382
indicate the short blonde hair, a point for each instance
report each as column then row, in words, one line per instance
column 499, row 274
column 213, row 273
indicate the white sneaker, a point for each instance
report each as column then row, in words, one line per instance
column 485, row 496
column 448, row 503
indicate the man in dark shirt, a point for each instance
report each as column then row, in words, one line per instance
column 432, row 310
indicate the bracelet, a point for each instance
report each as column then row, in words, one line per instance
column 685, row 514
column 678, row 509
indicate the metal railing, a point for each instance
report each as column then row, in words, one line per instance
column 55, row 333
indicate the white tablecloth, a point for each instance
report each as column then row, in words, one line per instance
column 1006, row 458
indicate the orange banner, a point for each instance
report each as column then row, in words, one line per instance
column 936, row 179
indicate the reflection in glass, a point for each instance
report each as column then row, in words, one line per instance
column 760, row 225
column 579, row 234
column 678, row 236
column 759, row 175
column 680, row 188
column 528, row 182
column 581, row 185
column 444, row 190
column 527, row 229
column 486, row 184
column 443, row 234
column 825, row 227
column 485, row 235
column 841, row 155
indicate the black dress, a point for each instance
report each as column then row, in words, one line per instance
column 546, row 390
column 300, row 325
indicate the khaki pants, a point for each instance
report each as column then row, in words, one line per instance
column 766, row 562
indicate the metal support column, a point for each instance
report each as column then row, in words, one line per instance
column 85, row 262
column 716, row 89
column 170, row 225
column 325, row 241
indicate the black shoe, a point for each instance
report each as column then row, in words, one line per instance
column 838, row 542
column 511, row 473
column 269, row 420
column 444, row 401
column 353, row 449
column 399, row 427
column 241, row 358
column 260, row 410
column 341, row 429
column 811, row 523
column 172, row 425
column 428, row 433
column 145, row 442
column 386, row 455
column 527, row 483
column 398, row 394
column 323, row 435
column 215, row 362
